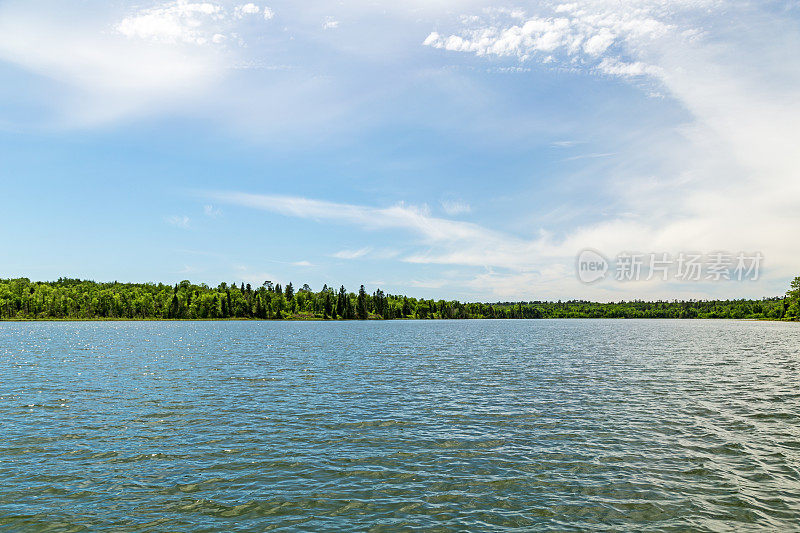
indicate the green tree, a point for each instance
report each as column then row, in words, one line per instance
column 341, row 302
column 361, row 307
column 329, row 311
column 793, row 295
column 289, row 292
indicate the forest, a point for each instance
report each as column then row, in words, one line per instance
column 71, row 299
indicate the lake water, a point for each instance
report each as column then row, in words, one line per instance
column 386, row 426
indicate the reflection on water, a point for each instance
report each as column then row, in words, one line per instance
column 478, row 425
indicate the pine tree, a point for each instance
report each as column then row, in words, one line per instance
column 329, row 310
column 341, row 302
column 361, row 308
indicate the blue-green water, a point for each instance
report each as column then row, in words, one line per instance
column 386, row 426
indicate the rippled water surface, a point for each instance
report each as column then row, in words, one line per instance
column 385, row 426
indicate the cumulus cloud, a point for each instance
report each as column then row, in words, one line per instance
column 592, row 35
column 246, row 9
column 615, row 67
column 199, row 23
column 171, row 23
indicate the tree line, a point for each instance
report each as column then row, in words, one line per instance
column 81, row 299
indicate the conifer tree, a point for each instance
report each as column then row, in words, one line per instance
column 341, row 302
column 361, row 307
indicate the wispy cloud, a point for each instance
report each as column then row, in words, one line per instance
column 112, row 65
column 455, row 207
column 590, row 156
column 566, row 144
column 412, row 218
column 352, row 254
column 440, row 240
column 182, row 222
column 211, row 211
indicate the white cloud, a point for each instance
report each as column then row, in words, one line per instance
column 566, row 144
column 433, row 39
column 590, row 156
column 352, row 254
column 732, row 181
column 173, row 22
column 442, row 241
column 243, row 10
column 182, row 222
column 456, row 207
column 615, row 67
column 574, row 34
column 211, row 211
column 398, row 216
column 545, row 264
column 330, row 23
column 179, row 21
column 599, row 42
column 103, row 74
column 302, row 264
column 111, row 65
column 100, row 63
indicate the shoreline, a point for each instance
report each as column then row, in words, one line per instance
column 75, row 299
column 380, row 319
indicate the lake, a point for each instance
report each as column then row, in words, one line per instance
column 401, row 425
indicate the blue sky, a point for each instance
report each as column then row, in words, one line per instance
column 444, row 149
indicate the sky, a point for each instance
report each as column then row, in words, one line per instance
column 442, row 149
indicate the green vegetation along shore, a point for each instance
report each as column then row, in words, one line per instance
column 66, row 299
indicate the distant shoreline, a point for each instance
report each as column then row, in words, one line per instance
column 70, row 299
column 379, row 319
